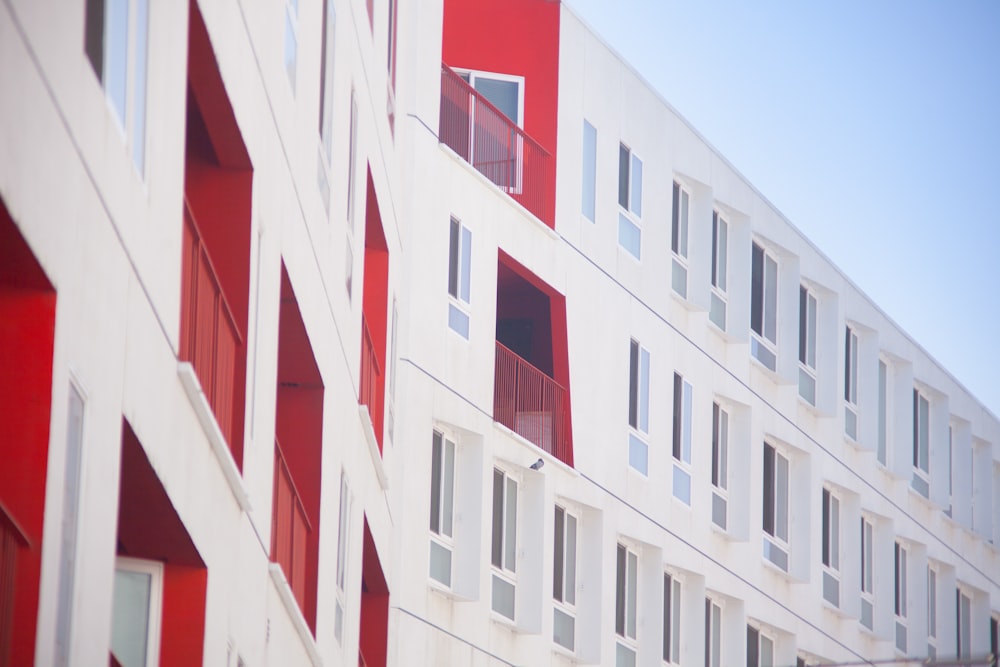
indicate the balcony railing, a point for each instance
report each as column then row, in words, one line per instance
column 492, row 143
column 371, row 389
column 291, row 528
column 530, row 403
column 11, row 539
column 210, row 339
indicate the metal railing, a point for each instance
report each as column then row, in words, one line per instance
column 492, row 143
column 11, row 540
column 210, row 339
column 371, row 371
column 291, row 528
column 530, row 403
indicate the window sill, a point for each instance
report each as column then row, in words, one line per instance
column 373, row 451
column 292, row 607
column 192, row 387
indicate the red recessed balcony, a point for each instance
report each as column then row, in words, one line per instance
column 530, row 403
column 492, row 143
column 372, row 394
column 290, row 535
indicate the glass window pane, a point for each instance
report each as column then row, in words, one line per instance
column 770, row 300
column 924, row 433
column 466, row 263
column 116, row 55
column 724, row 450
column 291, row 47
column 723, row 255
column 633, row 385
column 636, row 186
column 682, row 485
column 675, row 219
column 835, row 533
column 633, row 587
column 766, row 652
column 130, row 617
column 781, row 496
column 447, row 508
column 675, row 646
column 436, row 450
column 757, row 290
column 629, row 236
column 496, row 557
column 501, row 94
column 638, row 454
column 589, row 190
column 683, row 241
column 620, row 591
column 716, row 454
column 510, row 529
column 440, row 563
column 686, row 424
column 768, row 513
column 882, row 416
column 559, row 545
column 644, row 390
column 811, row 337
column 563, row 629
column 624, row 159
column 503, row 597
column 570, row 589
column 139, row 94
column 453, row 248
column 458, row 321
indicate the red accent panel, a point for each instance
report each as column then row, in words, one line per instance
column 149, row 528
column 374, row 308
column 27, row 330
column 374, row 607
column 518, row 37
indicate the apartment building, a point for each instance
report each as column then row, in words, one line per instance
column 427, row 333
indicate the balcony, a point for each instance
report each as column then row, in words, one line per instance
column 493, row 144
column 372, row 394
column 210, row 339
column 530, row 403
column 291, row 528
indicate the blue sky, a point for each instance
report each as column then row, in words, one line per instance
column 873, row 126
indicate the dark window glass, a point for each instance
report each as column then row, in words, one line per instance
column 803, row 317
column 753, row 647
column 633, row 385
column 847, row 364
column 715, row 444
column 624, row 157
column 715, row 247
column 497, row 555
column 675, row 227
column 708, row 632
column 678, row 418
column 620, row 591
column 453, row 249
column 94, row 36
column 768, row 489
column 826, row 527
column 560, row 542
column 757, row 290
column 916, row 428
column 667, row 593
column 436, row 458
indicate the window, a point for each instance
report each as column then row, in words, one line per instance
column 807, row 344
column 883, row 413
column 638, row 407
column 764, row 307
column 459, row 277
column 69, row 527
column 442, row 507
column 713, row 633
column 626, row 590
column 291, row 39
column 775, row 507
column 589, row 190
column 851, row 383
column 503, row 91
column 760, row 648
column 116, row 44
column 682, row 439
column 720, row 269
column 391, row 45
column 326, row 101
column 679, row 239
column 629, row 201
column 564, row 579
column 921, row 443
column 963, row 633
column 135, row 612
column 867, row 574
column 352, row 161
column 671, row 619
column 503, row 554
column 900, row 604
column 343, row 526
column 831, row 548
column 720, row 466
column 951, row 454
column 931, row 612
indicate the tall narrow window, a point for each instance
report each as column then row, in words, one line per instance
column 564, row 579
column 679, row 239
column 931, row 613
column 807, row 344
column 900, row 600
column 626, row 590
column 459, row 277
column 951, row 454
column 671, row 619
column 760, row 648
column 352, row 161
column 963, row 635
column 831, row 548
column 116, row 43
column 136, row 611
column 720, row 466
column 442, row 507
column 883, row 413
column 343, row 526
column 713, row 633
column 326, row 102
column 629, row 201
column 588, row 202
column 775, row 507
column 291, row 40
column 682, row 439
column 720, row 270
column 503, row 555
column 921, row 443
column 867, row 575
column 638, row 407
column 764, row 307
column 851, row 383
column 70, row 526
column 391, row 44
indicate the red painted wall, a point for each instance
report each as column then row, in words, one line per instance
column 375, row 301
column 374, row 606
column 27, row 330
column 518, row 37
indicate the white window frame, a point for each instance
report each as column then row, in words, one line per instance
column 720, row 461
column 964, row 599
column 564, row 600
column 867, row 572
column 153, row 569
column 714, row 628
column 630, row 216
column 504, row 573
column 764, row 349
column 679, row 237
column 851, row 410
column 921, row 482
column 719, row 307
column 291, row 47
column 470, row 76
column 901, row 595
column 627, row 636
column 883, row 441
column 763, row 637
column 638, row 431
column 328, row 37
column 808, row 335
column 681, row 449
column 933, row 576
column 673, row 591
column 459, row 277
column 442, row 523
column 830, row 551
column 779, row 538
column 343, row 537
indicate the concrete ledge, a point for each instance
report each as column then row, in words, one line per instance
column 292, row 607
column 376, row 455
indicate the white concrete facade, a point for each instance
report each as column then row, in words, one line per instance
column 107, row 236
